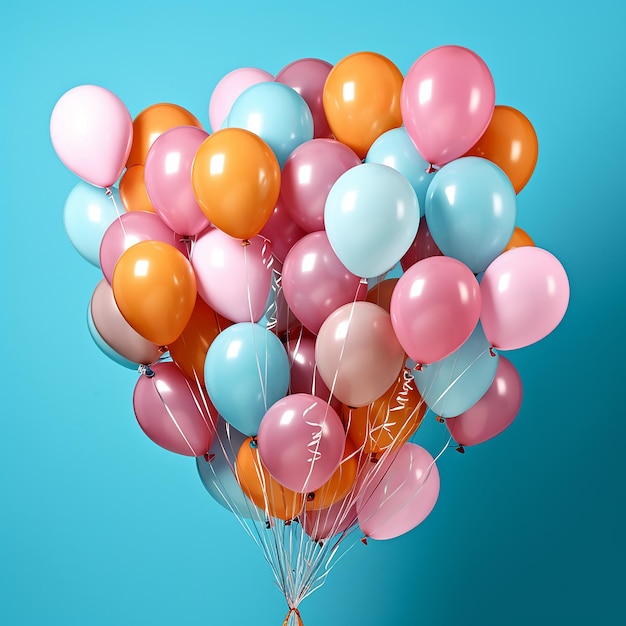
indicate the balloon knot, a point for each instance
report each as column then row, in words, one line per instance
column 418, row 367
column 430, row 169
column 374, row 457
column 108, row 192
column 440, row 419
column 492, row 352
column 461, row 450
column 245, row 242
column 254, row 443
column 310, row 496
column 146, row 370
column 163, row 349
column 268, row 524
column 363, row 281
column 364, row 541
column 293, row 609
column 288, row 522
column 208, row 457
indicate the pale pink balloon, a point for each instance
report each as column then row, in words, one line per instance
column 494, row 412
column 234, row 279
column 116, row 332
column 282, row 231
column 400, row 494
column 307, row 177
column 357, row 353
column 447, row 101
column 229, row 88
column 167, row 173
column 301, row 441
column 307, row 77
column 304, row 376
column 92, row 133
column 315, row 282
column 323, row 524
column 525, row 295
column 435, row 307
column 174, row 412
column 129, row 229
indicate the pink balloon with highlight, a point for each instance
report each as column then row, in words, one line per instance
column 435, row 307
column 447, row 101
column 228, row 90
column 525, row 295
column 92, row 133
column 494, row 412
column 174, row 412
column 315, row 282
column 400, row 493
column 233, row 278
column 322, row 524
column 308, row 175
column 307, row 77
column 167, row 173
column 129, row 229
column 301, row 441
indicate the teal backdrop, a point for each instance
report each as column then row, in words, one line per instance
column 99, row 526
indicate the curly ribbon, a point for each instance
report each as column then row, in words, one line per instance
column 293, row 609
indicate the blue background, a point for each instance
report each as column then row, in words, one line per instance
column 100, row 526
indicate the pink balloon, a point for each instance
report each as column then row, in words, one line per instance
column 399, row 494
column 301, row 441
column 174, row 412
column 357, row 353
column 322, row 524
column 116, row 332
column 167, row 173
column 92, row 133
column 308, row 175
column 304, row 377
column 282, row 231
column 447, row 100
column 307, row 77
column 525, row 294
column 233, row 279
column 423, row 246
column 229, row 88
column 315, row 282
column 129, row 229
column 435, row 307
column 494, row 412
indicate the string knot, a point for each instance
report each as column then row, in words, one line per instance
column 293, row 611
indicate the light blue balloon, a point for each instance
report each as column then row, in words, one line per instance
column 105, row 347
column 371, row 218
column 276, row 113
column 246, row 371
column 88, row 212
column 396, row 149
column 217, row 474
column 471, row 209
column 454, row 384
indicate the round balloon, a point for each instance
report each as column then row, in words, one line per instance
column 133, row 190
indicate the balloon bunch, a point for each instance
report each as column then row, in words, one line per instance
column 246, row 275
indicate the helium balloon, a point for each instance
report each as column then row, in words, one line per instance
column 362, row 99
column 281, row 231
column 511, row 143
column 133, row 190
column 518, row 239
column 155, row 289
column 380, row 293
column 92, row 132
column 422, row 247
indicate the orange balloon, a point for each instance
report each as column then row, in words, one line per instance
column 133, row 190
column 155, row 290
column 339, row 485
column 380, row 293
column 361, row 99
column 189, row 350
column 519, row 238
column 267, row 493
column 390, row 420
column 511, row 143
column 236, row 181
column 151, row 123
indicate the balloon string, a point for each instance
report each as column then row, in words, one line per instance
column 293, row 611
column 109, row 194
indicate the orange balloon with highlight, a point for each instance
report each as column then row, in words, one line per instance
column 390, row 420
column 380, row 293
column 518, row 239
column 339, row 485
column 133, row 190
column 155, row 290
column 266, row 492
column 235, row 177
column 511, row 143
column 151, row 123
column 361, row 99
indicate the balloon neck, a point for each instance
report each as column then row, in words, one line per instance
column 461, row 450
column 364, row 540
column 418, row 367
column 108, row 192
column 245, row 242
column 363, row 281
column 310, row 496
column 440, row 419
column 492, row 352
column 431, row 169
column 253, row 443
column 209, row 457
column 374, row 458
column 146, row 370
